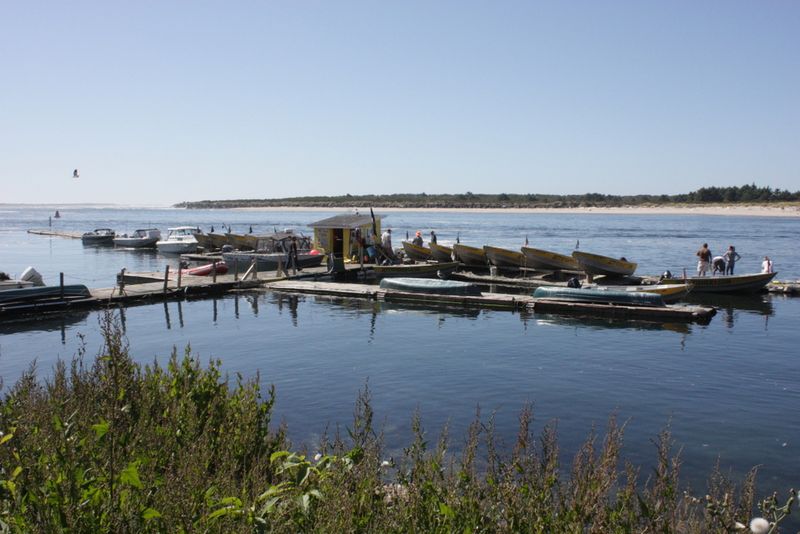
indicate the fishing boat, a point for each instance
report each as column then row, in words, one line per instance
column 536, row 258
column 180, row 240
column 98, row 236
column 504, row 258
column 429, row 286
column 268, row 261
column 595, row 264
column 735, row 283
column 142, row 238
column 599, row 296
column 471, row 256
column 668, row 292
column 206, row 270
column 416, row 270
column 416, row 252
column 441, row 252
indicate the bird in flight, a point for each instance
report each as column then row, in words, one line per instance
column 75, row 174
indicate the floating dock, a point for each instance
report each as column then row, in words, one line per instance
column 55, row 233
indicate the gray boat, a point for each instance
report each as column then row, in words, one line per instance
column 98, row 236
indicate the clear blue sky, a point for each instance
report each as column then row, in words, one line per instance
column 157, row 102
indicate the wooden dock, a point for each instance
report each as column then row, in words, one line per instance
column 689, row 314
column 55, row 233
column 784, row 288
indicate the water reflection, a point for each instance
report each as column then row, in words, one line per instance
column 605, row 323
column 46, row 323
column 729, row 306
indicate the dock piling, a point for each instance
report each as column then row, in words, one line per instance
column 235, row 269
column 179, row 277
column 213, row 271
column 166, row 278
column 61, row 285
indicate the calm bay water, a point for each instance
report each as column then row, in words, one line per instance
column 728, row 389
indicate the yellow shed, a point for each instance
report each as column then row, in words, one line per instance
column 337, row 234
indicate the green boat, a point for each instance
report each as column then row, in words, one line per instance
column 599, row 296
column 430, row 286
column 30, row 295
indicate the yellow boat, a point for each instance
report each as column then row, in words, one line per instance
column 416, row 252
column 441, row 252
column 472, row 256
column 504, row 258
column 595, row 264
column 536, row 258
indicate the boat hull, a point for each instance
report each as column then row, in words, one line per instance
column 416, row 252
column 176, row 247
column 35, row 294
column 429, row 286
column 269, row 261
column 668, row 292
column 595, row 264
column 548, row 261
column 504, row 258
column 97, row 239
column 441, row 253
column 599, row 296
column 735, row 283
column 135, row 242
column 207, row 270
column 471, row 256
column 420, row 270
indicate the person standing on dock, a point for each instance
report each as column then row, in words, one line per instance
column 731, row 257
column 291, row 258
column 703, row 260
column 386, row 243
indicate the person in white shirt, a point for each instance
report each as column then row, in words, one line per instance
column 766, row 265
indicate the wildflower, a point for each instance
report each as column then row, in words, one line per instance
column 317, row 457
column 759, row 525
column 386, row 463
column 738, row 526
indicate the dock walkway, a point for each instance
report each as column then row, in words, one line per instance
column 55, row 233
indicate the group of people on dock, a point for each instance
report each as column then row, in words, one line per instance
column 725, row 263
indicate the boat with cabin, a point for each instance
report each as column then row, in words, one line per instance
column 141, row 238
column 504, row 258
column 180, row 240
column 98, row 236
column 595, row 264
column 441, row 252
column 734, row 283
column 470, row 256
column 416, row 270
column 416, row 252
column 546, row 260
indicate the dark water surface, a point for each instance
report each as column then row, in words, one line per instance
column 729, row 389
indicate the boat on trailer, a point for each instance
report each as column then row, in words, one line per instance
column 734, row 283
column 595, row 264
column 416, row 252
column 536, row 258
column 504, row 258
column 470, row 256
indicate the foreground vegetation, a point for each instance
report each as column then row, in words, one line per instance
column 119, row 447
column 747, row 194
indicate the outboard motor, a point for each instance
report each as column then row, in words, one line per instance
column 666, row 276
column 574, row 283
column 227, row 248
column 32, row 275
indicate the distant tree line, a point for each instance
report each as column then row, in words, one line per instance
column 705, row 195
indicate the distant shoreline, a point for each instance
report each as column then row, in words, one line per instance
column 727, row 210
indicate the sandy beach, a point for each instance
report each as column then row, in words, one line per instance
column 738, row 210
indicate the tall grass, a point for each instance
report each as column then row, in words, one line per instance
column 118, row 447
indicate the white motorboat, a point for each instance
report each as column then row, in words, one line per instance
column 180, row 240
column 144, row 237
column 98, row 236
column 30, row 277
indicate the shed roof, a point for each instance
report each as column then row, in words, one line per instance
column 345, row 220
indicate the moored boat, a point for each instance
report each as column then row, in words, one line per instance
column 98, row 236
column 30, row 295
column 595, row 264
column 548, row 261
column 668, row 292
column 735, row 283
column 141, row 238
column 441, row 252
column 180, row 240
column 471, row 256
column 206, row 270
column 417, row 270
column 430, row 286
column 416, row 252
column 504, row 258
column 599, row 296
column 268, row 261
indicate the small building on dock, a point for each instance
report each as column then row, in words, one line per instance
column 339, row 234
